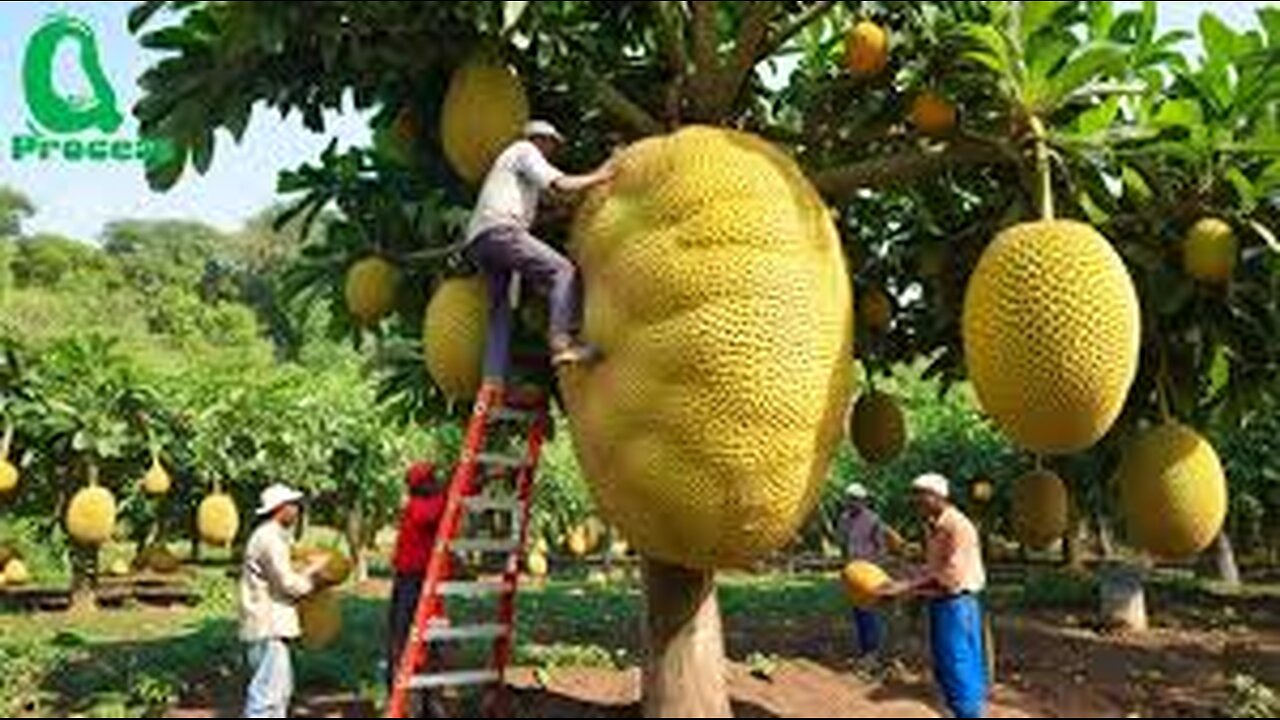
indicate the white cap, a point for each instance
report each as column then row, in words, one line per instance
column 933, row 483
column 542, row 128
column 276, row 497
column 857, row 491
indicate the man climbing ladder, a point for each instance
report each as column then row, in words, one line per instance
column 500, row 242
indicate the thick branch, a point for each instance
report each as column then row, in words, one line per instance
column 843, row 182
column 706, row 60
column 811, row 15
column 671, row 23
column 751, row 38
column 622, row 108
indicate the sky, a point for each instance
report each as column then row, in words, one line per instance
column 77, row 200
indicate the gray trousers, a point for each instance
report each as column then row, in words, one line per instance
column 504, row 251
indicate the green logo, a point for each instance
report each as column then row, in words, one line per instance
column 74, row 128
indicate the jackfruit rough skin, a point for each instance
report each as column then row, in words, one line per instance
column 157, row 480
column 485, row 110
column 16, row 573
column 454, row 330
column 1051, row 335
column 933, row 114
column 9, row 477
column 862, row 580
column 877, row 427
column 320, row 615
column 1041, row 510
column 337, row 566
column 370, row 290
column 91, row 516
column 1173, row 492
column 867, row 49
column 717, row 290
column 1210, row 251
column 218, row 520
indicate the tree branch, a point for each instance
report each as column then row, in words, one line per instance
column 843, row 182
column 671, row 22
column 810, row 15
column 622, row 108
column 754, row 33
column 706, row 59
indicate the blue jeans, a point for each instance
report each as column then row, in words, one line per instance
column 271, row 679
column 959, row 656
column 870, row 630
column 508, row 249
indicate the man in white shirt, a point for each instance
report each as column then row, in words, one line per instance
column 500, row 242
column 269, row 591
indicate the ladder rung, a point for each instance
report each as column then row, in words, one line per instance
column 510, row 414
column 484, row 545
column 445, row 633
column 474, row 588
column 498, row 460
column 480, row 503
column 455, row 679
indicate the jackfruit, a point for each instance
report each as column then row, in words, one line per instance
column 1173, row 491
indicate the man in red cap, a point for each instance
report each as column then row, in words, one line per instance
column 414, row 544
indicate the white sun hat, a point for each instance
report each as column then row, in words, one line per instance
column 857, row 491
column 933, row 483
column 542, row 128
column 276, row 497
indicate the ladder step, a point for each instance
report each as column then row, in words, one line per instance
column 445, row 633
column 502, row 461
column 484, row 545
column 510, row 414
column 475, row 588
column 484, row 504
column 455, row 679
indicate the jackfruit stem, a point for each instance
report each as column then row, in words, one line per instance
column 1044, row 169
column 92, row 471
column 6, row 443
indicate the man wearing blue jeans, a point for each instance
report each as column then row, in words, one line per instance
column 269, row 591
column 864, row 537
column 500, row 243
column 951, row 582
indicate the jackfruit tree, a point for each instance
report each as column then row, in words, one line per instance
column 1016, row 179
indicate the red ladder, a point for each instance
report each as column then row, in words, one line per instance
column 430, row 626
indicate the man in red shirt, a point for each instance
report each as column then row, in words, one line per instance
column 414, row 544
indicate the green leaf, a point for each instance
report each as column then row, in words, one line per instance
column 1270, row 18
column 1047, row 53
column 202, row 151
column 1219, row 40
column 1098, row 61
column 1034, row 17
column 163, row 176
column 992, row 49
column 143, row 12
column 1098, row 119
column 1136, row 187
column 1179, row 114
column 1219, row 370
column 1246, row 193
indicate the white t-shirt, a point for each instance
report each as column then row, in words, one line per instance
column 511, row 190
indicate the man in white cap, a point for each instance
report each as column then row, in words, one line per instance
column 270, row 588
column 500, row 242
column 951, row 582
column 865, row 537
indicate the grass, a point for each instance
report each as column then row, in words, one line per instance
column 137, row 661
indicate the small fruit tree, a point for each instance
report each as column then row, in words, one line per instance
column 779, row 151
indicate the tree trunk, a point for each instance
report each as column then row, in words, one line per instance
column 1073, row 545
column 356, row 543
column 1225, row 557
column 1106, row 544
column 84, row 579
column 684, row 672
column 1123, row 598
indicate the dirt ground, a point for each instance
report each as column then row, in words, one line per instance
column 1049, row 666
